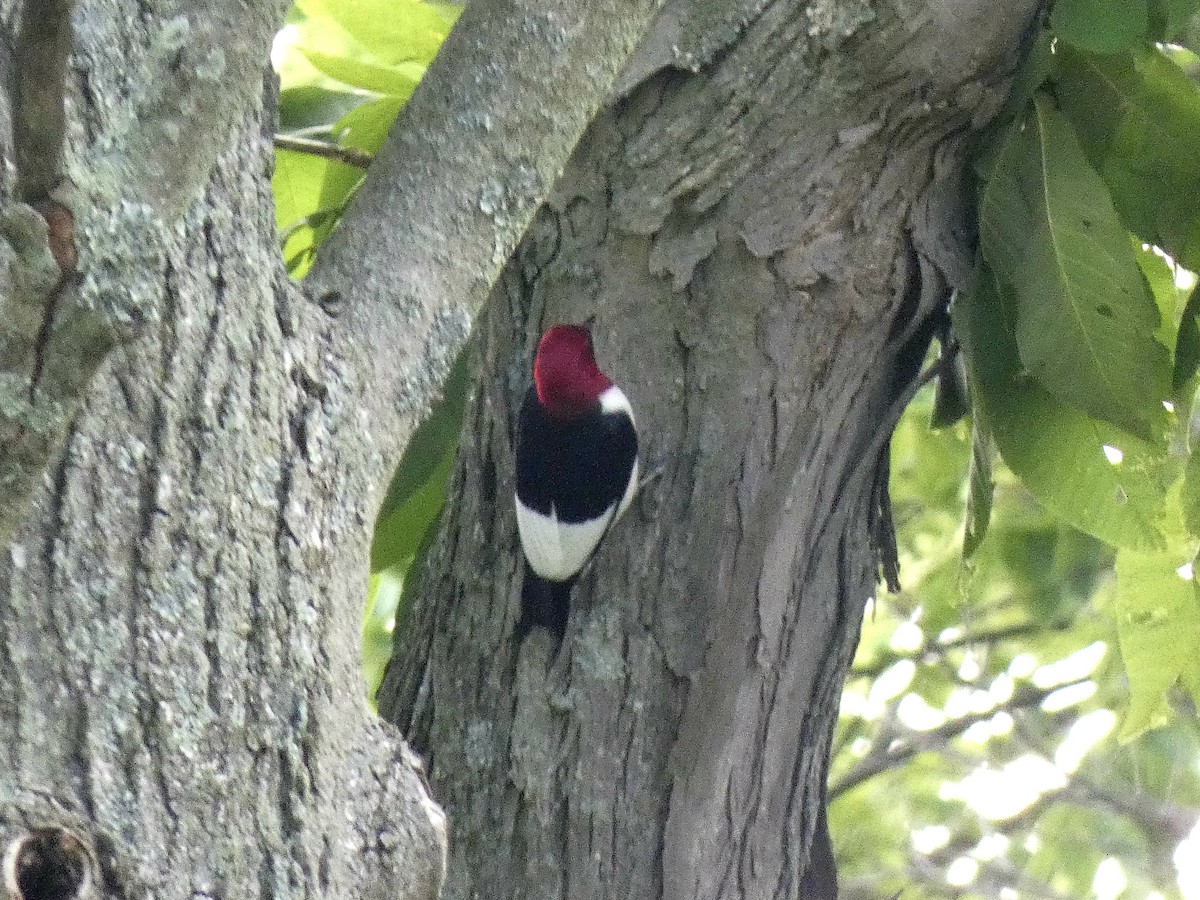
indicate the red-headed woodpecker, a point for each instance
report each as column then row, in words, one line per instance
column 577, row 471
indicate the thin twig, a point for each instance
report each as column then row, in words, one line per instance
column 886, row 753
column 351, row 156
column 967, row 639
column 937, row 367
column 39, row 120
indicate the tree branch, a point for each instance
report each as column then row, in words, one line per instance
column 39, row 122
column 913, row 742
column 986, row 636
column 351, row 156
column 456, row 183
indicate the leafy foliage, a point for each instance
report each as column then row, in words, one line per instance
column 977, row 754
column 1074, row 329
column 346, row 69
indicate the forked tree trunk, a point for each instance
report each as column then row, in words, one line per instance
column 766, row 223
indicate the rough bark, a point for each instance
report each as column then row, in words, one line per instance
column 180, row 699
column 474, row 153
column 181, row 704
column 766, row 223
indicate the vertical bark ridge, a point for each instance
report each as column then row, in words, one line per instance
column 751, row 237
column 181, row 612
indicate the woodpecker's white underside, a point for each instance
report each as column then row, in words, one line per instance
column 558, row 550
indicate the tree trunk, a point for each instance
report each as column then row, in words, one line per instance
column 180, row 694
column 192, row 450
column 767, row 222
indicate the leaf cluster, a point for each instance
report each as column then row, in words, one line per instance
column 976, row 755
column 1080, row 339
column 346, row 69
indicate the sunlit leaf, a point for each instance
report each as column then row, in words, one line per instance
column 367, row 125
column 1157, row 613
column 1084, row 321
column 409, row 30
column 1138, row 119
column 1191, row 493
column 382, row 78
column 383, row 597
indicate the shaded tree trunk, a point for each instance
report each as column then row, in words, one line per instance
column 767, row 223
column 192, row 450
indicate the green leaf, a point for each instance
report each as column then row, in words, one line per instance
column 1102, row 26
column 383, row 78
column 1037, row 66
column 1058, row 452
column 399, row 533
column 414, row 578
column 432, row 439
column 980, row 487
column 303, row 182
column 310, row 192
column 1191, row 494
column 1084, row 319
column 312, row 108
column 366, row 126
column 418, row 487
column 383, row 598
column 1157, row 614
column 1169, row 18
column 407, row 30
column 1160, row 278
column 1187, row 344
column 1137, row 116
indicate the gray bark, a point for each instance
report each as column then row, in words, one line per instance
column 766, row 222
column 191, row 451
column 180, row 700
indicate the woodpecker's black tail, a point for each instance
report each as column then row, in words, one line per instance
column 544, row 603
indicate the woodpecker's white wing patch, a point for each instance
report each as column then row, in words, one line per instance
column 558, row 550
column 614, row 400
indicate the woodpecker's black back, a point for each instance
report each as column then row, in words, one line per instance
column 581, row 467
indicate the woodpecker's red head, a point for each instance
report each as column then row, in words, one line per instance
column 569, row 383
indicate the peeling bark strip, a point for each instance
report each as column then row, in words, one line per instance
column 765, row 223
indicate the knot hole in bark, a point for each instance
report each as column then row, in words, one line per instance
column 47, row 864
